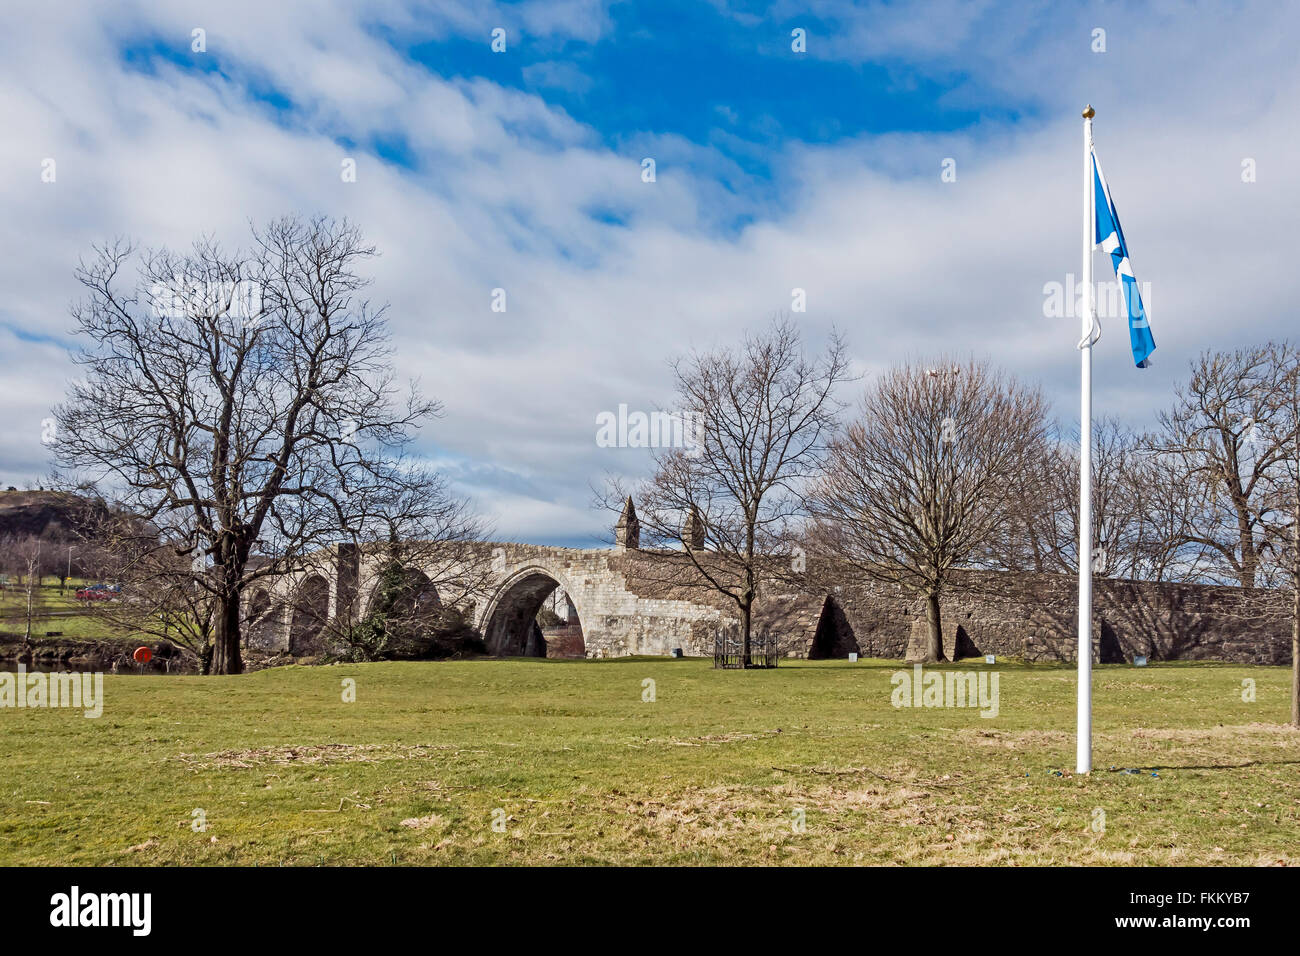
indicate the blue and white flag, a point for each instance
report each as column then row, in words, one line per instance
column 1111, row 238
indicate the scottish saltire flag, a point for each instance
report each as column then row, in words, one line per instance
column 1111, row 238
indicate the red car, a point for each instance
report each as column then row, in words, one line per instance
column 97, row 592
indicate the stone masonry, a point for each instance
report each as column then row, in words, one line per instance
column 626, row 604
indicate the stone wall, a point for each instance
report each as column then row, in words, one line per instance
column 564, row 640
column 630, row 601
column 1035, row 617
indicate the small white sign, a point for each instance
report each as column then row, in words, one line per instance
column 990, row 659
column 1140, row 660
column 853, row 658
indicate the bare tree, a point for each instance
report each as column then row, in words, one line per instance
column 241, row 403
column 12, row 563
column 1281, row 562
column 159, row 594
column 1044, row 534
column 1170, row 507
column 758, row 418
column 24, row 554
column 28, row 551
column 919, row 484
column 431, row 576
column 1227, row 433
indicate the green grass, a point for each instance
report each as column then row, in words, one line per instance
column 52, row 611
column 76, row 627
column 13, row 598
column 715, row 770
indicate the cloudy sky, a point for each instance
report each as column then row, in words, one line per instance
column 775, row 170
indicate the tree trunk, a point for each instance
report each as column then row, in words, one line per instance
column 747, row 596
column 1295, row 653
column 934, row 642
column 746, row 616
column 1295, row 617
column 1249, row 559
column 33, row 586
column 226, row 657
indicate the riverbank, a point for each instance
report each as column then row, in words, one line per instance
column 96, row 654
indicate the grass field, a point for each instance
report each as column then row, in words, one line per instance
column 719, row 768
column 55, row 612
column 47, row 597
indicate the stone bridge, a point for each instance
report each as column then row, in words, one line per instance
column 618, row 601
column 602, row 614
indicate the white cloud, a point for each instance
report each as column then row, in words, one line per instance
column 557, row 75
column 508, row 190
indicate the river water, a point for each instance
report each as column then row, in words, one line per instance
column 94, row 665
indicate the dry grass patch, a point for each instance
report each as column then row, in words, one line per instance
column 309, row 754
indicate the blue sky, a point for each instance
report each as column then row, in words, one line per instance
column 657, row 73
column 776, row 170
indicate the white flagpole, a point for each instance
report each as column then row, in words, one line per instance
column 1083, row 740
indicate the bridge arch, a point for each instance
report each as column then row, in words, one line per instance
column 256, row 605
column 409, row 589
column 263, row 617
column 310, row 612
column 509, row 622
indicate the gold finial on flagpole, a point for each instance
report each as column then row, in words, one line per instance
column 1089, row 113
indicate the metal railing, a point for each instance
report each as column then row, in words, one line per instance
column 729, row 650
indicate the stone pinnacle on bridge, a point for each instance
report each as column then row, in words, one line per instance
column 627, row 533
column 693, row 531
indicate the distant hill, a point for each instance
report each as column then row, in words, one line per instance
column 54, row 515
